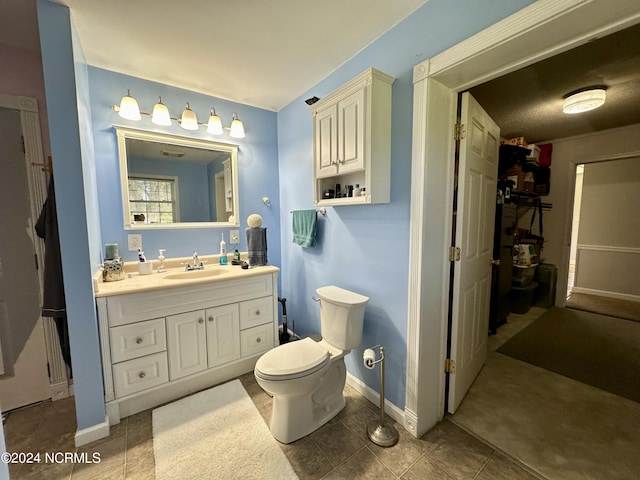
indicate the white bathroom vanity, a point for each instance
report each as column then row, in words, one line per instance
column 166, row 335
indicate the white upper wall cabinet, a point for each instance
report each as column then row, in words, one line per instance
column 352, row 142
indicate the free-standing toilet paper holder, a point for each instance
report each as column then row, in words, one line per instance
column 379, row 431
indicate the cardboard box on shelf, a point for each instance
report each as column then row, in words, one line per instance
column 520, row 141
column 516, row 175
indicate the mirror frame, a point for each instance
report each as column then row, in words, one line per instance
column 123, row 133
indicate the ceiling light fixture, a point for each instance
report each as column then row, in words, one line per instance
column 584, row 100
column 129, row 110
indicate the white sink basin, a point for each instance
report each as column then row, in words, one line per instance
column 213, row 272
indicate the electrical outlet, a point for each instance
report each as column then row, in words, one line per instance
column 234, row 237
column 135, row 241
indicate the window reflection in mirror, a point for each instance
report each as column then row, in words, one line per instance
column 170, row 181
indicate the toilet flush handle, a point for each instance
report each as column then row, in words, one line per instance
column 315, row 299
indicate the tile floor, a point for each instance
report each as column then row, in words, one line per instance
column 339, row 450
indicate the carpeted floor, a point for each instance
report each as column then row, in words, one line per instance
column 217, row 433
column 613, row 307
column 595, row 349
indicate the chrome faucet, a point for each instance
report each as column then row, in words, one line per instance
column 197, row 264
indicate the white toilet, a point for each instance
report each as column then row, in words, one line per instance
column 306, row 378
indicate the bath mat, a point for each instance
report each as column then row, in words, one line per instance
column 217, row 433
column 595, row 349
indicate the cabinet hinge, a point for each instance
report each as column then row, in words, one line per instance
column 459, row 132
column 449, row 366
column 454, row 254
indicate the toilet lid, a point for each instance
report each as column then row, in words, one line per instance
column 292, row 360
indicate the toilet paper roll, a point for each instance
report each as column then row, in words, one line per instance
column 369, row 356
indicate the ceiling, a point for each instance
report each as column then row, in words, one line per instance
column 528, row 102
column 266, row 54
column 255, row 52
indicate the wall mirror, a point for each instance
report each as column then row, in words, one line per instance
column 169, row 181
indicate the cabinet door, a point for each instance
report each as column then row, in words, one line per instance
column 186, row 344
column 223, row 334
column 351, row 133
column 326, row 142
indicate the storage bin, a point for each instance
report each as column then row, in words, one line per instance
column 547, row 278
column 522, row 275
column 521, row 298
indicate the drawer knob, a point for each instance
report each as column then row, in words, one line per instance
column 258, row 340
column 139, row 340
column 142, row 374
column 257, row 313
column 201, row 320
column 211, row 319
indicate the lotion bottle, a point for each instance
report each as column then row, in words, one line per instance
column 223, row 251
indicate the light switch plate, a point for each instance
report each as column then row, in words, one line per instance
column 234, row 237
column 135, row 241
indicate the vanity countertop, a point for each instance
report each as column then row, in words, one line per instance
column 134, row 282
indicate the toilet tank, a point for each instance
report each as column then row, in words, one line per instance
column 341, row 316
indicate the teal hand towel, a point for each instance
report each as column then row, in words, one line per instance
column 304, row 227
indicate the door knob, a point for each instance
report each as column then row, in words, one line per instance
column 494, row 262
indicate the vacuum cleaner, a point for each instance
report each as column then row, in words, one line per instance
column 284, row 335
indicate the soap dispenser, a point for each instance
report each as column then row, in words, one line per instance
column 161, row 267
column 223, row 251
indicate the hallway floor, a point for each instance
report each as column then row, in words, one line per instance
column 339, row 450
column 558, row 427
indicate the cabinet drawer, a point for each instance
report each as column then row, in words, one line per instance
column 137, row 340
column 256, row 312
column 256, row 340
column 139, row 374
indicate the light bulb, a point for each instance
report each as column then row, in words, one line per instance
column 237, row 128
column 160, row 114
column 189, row 120
column 129, row 108
column 215, row 124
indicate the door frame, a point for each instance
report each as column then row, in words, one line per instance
column 541, row 30
column 37, row 179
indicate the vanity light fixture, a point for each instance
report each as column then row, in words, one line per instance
column 160, row 115
column 129, row 107
column 215, row 124
column 237, row 128
column 129, row 110
column 584, row 100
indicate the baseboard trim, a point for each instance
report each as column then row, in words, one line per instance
column 93, row 433
column 604, row 293
column 374, row 397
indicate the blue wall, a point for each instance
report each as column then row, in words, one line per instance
column 362, row 248
column 365, row 248
column 257, row 163
column 73, row 164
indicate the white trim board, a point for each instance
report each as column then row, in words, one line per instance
column 541, row 30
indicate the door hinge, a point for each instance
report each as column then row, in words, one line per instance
column 459, row 132
column 449, row 366
column 454, row 254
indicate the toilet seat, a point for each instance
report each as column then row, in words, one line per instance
column 292, row 360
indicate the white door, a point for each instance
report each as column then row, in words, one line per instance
column 21, row 327
column 477, row 183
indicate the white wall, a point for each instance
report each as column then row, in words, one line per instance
column 567, row 153
column 608, row 257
